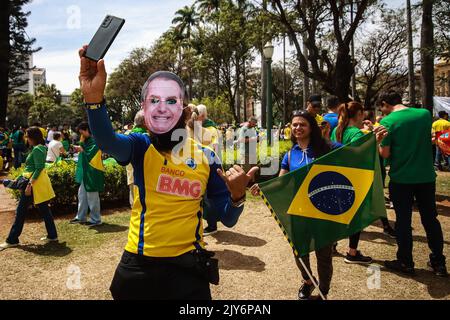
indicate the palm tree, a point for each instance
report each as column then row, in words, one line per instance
column 208, row 6
column 185, row 19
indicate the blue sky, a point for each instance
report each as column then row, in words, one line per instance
column 54, row 24
column 62, row 26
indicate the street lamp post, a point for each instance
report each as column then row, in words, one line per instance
column 268, row 54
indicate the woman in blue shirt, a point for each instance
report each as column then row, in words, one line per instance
column 308, row 145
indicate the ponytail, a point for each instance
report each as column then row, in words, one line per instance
column 343, row 122
column 347, row 111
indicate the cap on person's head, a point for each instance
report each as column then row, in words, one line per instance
column 253, row 119
column 315, row 98
column 442, row 114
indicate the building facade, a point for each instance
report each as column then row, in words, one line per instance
column 442, row 78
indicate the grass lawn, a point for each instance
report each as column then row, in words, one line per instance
column 255, row 260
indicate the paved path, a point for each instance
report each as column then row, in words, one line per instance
column 7, row 205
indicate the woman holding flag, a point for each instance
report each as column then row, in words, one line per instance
column 309, row 145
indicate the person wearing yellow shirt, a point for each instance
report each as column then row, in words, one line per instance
column 165, row 256
column 287, row 132
column 439, row 126
column 314, row 107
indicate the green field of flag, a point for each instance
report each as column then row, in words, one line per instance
column 330, row 199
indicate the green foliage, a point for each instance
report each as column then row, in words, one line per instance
column 18, row 108
column 49, row 91
column 217, row 109
column 47, row 108
column 263, row 160
column 20, row 45
column 62, row 176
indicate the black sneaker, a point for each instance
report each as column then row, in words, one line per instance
column 304, row 293
column 439, row 269
column 209, row 231
column 399, row 267
column 390, row 232
column 76, row 221
column 358, row 258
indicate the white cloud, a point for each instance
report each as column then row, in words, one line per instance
column 145, row 22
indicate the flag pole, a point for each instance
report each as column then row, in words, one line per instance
column 311, row 277
column 297, row 256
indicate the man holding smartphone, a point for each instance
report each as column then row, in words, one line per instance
column 165, row 256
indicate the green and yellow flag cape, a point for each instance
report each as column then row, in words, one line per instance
column 330, row 199
column 90, row 169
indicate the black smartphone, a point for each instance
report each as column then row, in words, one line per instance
column 104, row 37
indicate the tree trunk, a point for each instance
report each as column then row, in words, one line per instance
column 306, row 92
column 244, row 89
column 411, row 79
column 5, row 9
column 238, row 88
column 263, row 77
column 354, row 93
column 342, row 75
column 427, row 56
column 285, row 115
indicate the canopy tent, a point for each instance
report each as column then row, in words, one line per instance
column 441, row 104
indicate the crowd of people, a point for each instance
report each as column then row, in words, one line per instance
column 171, row 188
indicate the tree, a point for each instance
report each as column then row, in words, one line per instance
column 77, row 108
column 18, row 108
column 123, row 91
column 185, row 19
column 380, row 57
column 313, row 20
column 15, row 49
column 427, row 55
column 411, row 73
column 442, row 28
column 42, row 110
column 49, row 91
column 209, row 11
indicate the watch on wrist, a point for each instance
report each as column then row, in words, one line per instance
column 95, row 106
column 239, row 203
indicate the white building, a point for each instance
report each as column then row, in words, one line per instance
column 39, row 78
column 35, row 77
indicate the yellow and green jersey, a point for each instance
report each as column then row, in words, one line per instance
column 166, row 219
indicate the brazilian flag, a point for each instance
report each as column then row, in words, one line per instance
column 330, row 199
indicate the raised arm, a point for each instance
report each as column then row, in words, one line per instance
column 92, row 83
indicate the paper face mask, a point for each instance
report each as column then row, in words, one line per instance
column 163, row 105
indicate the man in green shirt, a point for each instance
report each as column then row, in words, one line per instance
column 408, row 147
column 18, row 146
column 90, row 175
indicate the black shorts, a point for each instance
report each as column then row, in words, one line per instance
column 143, row 278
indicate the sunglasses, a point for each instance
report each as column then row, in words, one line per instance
column 298, row 113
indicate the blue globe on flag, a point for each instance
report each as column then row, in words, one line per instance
column 331, row 193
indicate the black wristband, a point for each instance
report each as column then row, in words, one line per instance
column 94, row 106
